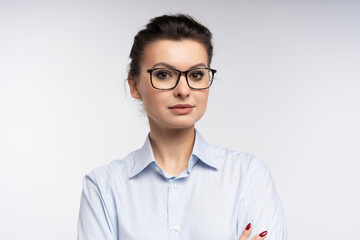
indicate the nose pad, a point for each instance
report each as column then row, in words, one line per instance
column 182, row 77
column 182, row 88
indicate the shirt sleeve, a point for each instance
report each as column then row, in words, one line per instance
column 262, row 203
column 94, row 222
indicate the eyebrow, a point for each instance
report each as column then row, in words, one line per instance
column 170, row 66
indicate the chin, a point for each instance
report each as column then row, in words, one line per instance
column 175, row 122
column 180, row 125
column 184, row 124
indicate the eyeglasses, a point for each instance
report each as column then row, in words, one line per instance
column 168, row 78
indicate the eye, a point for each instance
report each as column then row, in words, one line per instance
column 162, row 74
column 196, row 75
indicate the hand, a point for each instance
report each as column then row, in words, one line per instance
column 246, row 233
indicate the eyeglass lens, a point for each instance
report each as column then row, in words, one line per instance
column 164, row 78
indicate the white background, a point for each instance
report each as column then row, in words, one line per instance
column 287, row 90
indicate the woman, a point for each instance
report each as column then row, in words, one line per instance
column 177, row 186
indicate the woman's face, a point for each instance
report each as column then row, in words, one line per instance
column 180, row 107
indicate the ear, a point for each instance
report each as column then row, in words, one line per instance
column 133, row 87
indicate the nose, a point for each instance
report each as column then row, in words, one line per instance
column 182, row 89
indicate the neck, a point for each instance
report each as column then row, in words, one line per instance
column 172, row 148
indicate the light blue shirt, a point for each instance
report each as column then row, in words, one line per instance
column 214, row 198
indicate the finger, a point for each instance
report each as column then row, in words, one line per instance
column 246, row 233
column 260, row 236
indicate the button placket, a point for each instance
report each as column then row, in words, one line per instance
column 174, row 210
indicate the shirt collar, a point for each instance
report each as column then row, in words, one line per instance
column 143, row 157
column 201, row 150
column 204, row 151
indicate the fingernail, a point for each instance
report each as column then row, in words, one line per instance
column 263, row 234
column 248, row 226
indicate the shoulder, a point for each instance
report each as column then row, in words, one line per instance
column 116, row 171
column 245, row 162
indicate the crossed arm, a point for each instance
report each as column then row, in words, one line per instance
column 246, row 233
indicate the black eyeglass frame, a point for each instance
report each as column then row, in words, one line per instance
column 213, row 71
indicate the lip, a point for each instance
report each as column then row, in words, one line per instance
column 181, row 106
column 181, row 109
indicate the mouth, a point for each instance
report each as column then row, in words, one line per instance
column 181, row 106
column 181, row 109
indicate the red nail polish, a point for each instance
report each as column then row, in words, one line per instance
column 248, row 226
column 263, row 234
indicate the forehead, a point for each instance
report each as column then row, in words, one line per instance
column 181, row 54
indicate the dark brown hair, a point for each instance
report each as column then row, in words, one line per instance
column 171, row 27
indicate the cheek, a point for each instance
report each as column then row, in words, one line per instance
column 151, row 98
column 144, row 89
column 202, row 101
column 205, row 97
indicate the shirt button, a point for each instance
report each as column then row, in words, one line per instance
column 158, row 169
column 176, row 185
column 177, row 228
